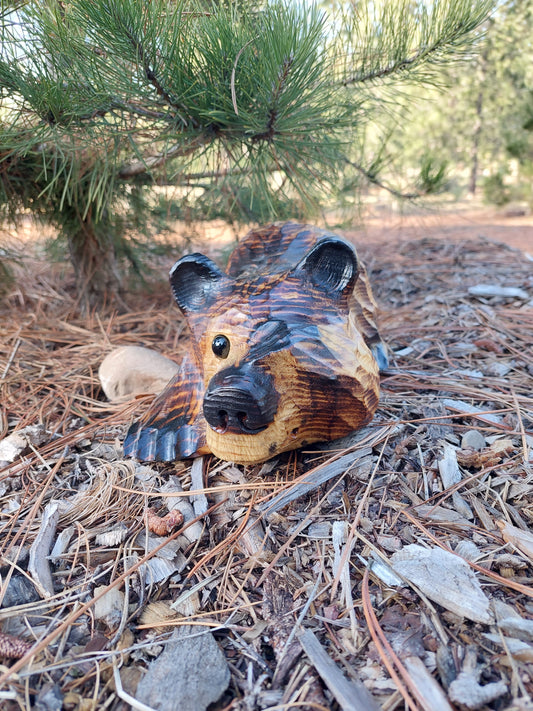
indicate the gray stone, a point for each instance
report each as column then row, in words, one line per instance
column 133, row 370
column 19, row 591
column 473, row 439
column 188, row 675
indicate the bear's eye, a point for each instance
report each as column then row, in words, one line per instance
column 220, row 346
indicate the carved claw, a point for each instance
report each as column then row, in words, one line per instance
column 174, row 426
column 149, row 444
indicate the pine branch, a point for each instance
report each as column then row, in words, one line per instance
column 155, row 81
column 269, row 133
column 405, row 39
column 145, row 166
column 134, row 108
column 375, row 181
column 396, row 67
column 211, row 174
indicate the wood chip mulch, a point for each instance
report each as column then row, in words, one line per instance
column 391, row 570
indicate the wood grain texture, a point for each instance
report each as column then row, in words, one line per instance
column 296, row 306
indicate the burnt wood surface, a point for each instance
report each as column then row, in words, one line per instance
column 285, row 350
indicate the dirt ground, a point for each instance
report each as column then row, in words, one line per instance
column 390, row 570
column 463, row 222
column 384, row 224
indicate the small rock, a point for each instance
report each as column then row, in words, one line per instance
column 19, row 591
column 188, row 675
column 473, row 439
column 133, row 370
column 49, row 698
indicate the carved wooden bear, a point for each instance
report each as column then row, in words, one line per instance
column 285, row 351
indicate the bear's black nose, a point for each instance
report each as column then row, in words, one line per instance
column 233, row 410
column 240, row 402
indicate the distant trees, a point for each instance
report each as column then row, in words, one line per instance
column 249, row 107
column 485, row 124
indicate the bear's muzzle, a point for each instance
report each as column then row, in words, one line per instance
column 240, row 400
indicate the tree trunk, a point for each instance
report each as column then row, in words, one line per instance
column 478, row 125
column 474, row 165
column 93, row 257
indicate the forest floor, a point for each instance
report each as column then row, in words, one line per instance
column 466, row 221
column 389, row 570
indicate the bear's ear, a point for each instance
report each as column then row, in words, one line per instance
column 332, row 265
column 197, row 282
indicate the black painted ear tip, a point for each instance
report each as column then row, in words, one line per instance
column 332, row 263
column 194, row 279
column 340, row 245
column 194, row 263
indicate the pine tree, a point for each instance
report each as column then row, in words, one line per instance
column 103, row 99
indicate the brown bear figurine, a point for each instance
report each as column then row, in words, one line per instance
column 285, row 351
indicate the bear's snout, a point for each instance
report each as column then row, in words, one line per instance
column 240, row 400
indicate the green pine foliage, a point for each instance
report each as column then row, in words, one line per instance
column 264, row 109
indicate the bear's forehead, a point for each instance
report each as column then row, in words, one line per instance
column 243, row 310
column 294, row 313
column 282, row 296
